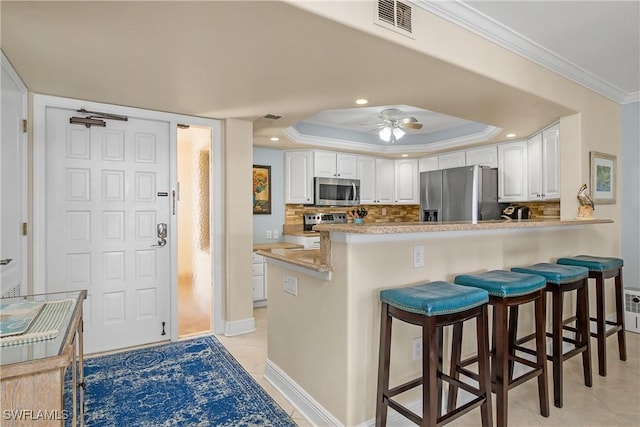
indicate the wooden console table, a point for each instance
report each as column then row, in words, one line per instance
column 32, row 374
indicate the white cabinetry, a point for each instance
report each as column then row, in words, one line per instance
column 483, row 156
column 512, row 171
column 367, row 174
column 259, row 288
column 385, row 177
column 330, row 164
column 299, row 177
column 544, row 165
column 427, row 164
column 452, row 160
column 406, row 182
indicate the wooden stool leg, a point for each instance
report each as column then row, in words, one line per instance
column 456, row 351
column 383, row 366
column 440, row 339
column 483, row 367
column 583, row 326
column 429, row 372
column 513, row 336
column 556, row 355
column 500, row 365
column 601, row 337
column 541, row 350
column 622, row 341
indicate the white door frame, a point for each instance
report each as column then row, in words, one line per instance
column 6, row 65
column 41, row 103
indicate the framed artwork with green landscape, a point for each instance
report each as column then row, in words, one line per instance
column 261, row 189
column 603, row 177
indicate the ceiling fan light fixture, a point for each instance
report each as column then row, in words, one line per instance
column 398, row 133
column 385, row 134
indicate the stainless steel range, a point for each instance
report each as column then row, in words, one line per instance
column 311, row 219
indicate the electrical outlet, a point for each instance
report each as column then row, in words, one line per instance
column 384, row 211
column 417, row 348
column 418, row 256
column 276, row 234
column 291, row 285
column 268, row 234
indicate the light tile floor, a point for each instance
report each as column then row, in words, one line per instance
column 613, row 401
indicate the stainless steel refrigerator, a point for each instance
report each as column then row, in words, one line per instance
column 468, row 193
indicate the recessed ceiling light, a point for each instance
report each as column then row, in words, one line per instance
column 362, row 101
column 274, row 138
column 511, row 135
column 405, row 155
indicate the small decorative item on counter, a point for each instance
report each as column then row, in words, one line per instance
column 358, row 215
column 585, row 211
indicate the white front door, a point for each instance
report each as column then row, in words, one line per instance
column 12, row 191
column 107, row 192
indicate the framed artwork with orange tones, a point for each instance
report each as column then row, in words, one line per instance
column 261, row 189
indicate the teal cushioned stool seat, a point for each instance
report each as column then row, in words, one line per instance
column 507, row 291
column 593, row 263
column 554, row 273
column 433, row 306
column 562, row 279
column 600, row 269
column 502, row 283
column 435, row 298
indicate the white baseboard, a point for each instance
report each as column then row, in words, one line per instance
column 306, row 405
column 239, row 327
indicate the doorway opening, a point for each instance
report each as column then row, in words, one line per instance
column 195, row 278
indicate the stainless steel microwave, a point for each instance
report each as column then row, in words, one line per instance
column 336, row 192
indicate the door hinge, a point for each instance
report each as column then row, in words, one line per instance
column 24, row 228
column 24, row 125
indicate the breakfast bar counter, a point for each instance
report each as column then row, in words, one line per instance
column 324, row 325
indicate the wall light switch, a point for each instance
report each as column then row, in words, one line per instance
column 268, row 234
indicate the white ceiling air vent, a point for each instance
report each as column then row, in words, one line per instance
column 395, row 15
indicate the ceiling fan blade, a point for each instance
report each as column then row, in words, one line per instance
column 406, row 120
column 412, row 125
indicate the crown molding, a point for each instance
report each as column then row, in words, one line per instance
column 470, row 19
column 487, row 134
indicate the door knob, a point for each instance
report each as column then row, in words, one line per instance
column 161, row 231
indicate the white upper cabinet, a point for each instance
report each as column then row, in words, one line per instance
column 543, row 164
column 298, row 168
column 483, row 156
column 426, row 164
column 406, row 182
column 551, row 162
column 367, row 175
column 385, row 178
column 330, row 164
column 512, row 171
column 452, row 160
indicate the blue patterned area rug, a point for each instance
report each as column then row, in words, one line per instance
column 189, row 383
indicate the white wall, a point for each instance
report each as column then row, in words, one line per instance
column 629, row 163
column 274, row 221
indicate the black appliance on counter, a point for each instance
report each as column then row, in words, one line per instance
column 516, row 212
column 315, row 218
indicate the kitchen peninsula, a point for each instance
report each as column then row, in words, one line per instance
column 323, row 341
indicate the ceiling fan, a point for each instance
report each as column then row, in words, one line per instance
column 392, row 122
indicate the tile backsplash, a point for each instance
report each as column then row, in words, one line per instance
column 376, row 213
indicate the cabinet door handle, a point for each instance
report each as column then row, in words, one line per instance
column 5, row 261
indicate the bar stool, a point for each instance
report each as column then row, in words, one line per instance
column 561, row 279
column 507, row 290
column 433, row 306
column 601, row 268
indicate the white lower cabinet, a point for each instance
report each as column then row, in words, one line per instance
column 259, row 283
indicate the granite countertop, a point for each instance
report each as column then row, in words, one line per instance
column 275, row 245
column 422, row 227
column 307, row 258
